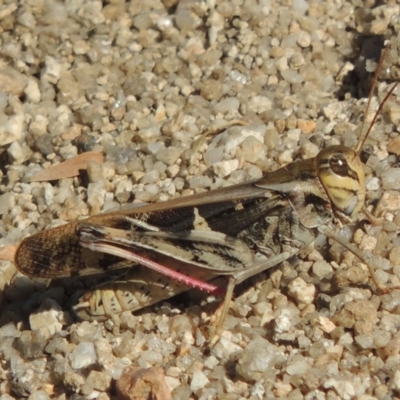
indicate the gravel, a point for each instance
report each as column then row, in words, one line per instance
column 162, row 89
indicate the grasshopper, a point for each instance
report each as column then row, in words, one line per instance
column 165, row 248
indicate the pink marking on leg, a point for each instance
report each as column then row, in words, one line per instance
column 155, row 266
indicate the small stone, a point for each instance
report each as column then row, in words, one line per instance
column 6, row 396
column 150, row 177
column 381, row 338
column 19, row 153
column 32, row 91
column 169, row 155
column 81, row 47
column 172, row 170
column 142, row 383
column 271, row 138
column 258, row 359
column 224, row 168
column 285, row 317
column 304, row 39
column 213, row 155
column 285, row 157
column 391, row 179
column 365, row 341
column 95, row 172
column 52, row 70
column 27, row 19
column 212, row 89
column 12, row 81
column 358, row 314
column 298, row 367
column 394, row 383
column 99, row 380
column 31, row 343
column 372, row 184
column 306, row 126
column 394, row 254
column 345, row 277
column 169, row 3
column 50, row 317
column 227, row 105
column 252, row 149
column 9, row 330
column 12, row 130
column 344, row 387
column 200, row 181
column 394, row 146
column 211, row 362
column 7, row 202
column 301, row 291
column 326, row 324
column 38, row 127
column 199, row 380
column 392, row 348
column 57, row 345
column 322, row 269
column 332, row 110
column 39, row 395
column 224, row 348
column 292, row 76
column 83, row 355
column 390, row 301
column 259, row 104
column 150, row 357
column 368, row 243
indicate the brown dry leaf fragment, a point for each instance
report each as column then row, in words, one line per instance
column 7, row 252
column 68, row 168
column 143, row 384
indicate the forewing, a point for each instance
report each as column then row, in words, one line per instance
column 210, row 250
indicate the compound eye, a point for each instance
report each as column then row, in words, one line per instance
column 340, row 166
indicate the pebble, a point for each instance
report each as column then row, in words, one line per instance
column 321, row 269
column 18, row 153
column 83, row 355
column 139, row 383
column 391, row 179
column 224, row 348
column 50, row 317
column 12, row 81
column 252, row 149
column 199, row 380
column 98, row 380
column 358, row 314
column 31, row 344
column 39, row 395
column 258, row 359
column 301, row 291
column 7, row 202
column 32, row 91
column 12, row 130
column 225, row 168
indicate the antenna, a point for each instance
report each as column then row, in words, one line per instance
column 360, row 144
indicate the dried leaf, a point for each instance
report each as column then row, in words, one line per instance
column 68, row 168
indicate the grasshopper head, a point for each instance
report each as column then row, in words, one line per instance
column 340, row 171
